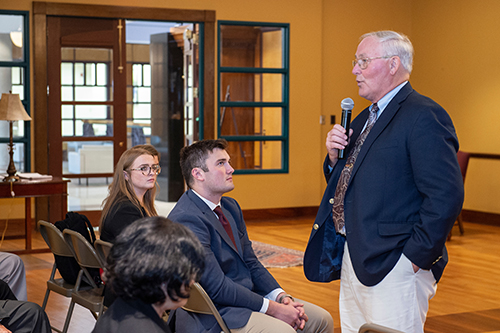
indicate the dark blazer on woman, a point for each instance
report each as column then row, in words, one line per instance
column 120, row 216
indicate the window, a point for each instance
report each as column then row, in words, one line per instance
column 141, row 98
column 85, row 91
column 14, row 76
column 253, row 107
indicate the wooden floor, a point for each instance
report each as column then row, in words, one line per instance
column 467, row 299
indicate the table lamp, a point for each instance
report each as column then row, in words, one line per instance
column 11, row 109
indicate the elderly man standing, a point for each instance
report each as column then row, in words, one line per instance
column 246, row 294
column 389, row 206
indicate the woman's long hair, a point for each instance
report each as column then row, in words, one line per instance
column 122, row 190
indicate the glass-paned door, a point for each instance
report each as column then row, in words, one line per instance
column 121, row 85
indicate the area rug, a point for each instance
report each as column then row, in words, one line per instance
column 272, row 256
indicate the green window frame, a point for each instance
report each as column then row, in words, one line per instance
column 19, row 66
column 253, row 94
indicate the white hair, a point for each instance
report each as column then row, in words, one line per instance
column 395, row 44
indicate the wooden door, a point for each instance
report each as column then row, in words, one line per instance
column 86, row 98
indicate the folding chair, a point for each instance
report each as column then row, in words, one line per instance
column 55, row 241
column 200, row 302
column 86, row 257
column 102, row 248
column 463, row 161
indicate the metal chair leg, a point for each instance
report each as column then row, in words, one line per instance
column 45, row 299
column 68, row 317
column 460, row 224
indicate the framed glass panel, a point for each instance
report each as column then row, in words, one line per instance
column 18, row 157
column 87, row 157
column 253, row 73
column 86, row 120
column 17, row 130
column 12, row 79
column 85, row 74
column 12, row 39
column 256, row 155
column 67, row 73
column 237, row 121
column 14, row 70
column 91, row 94
column 261, row 87
column 240, row 41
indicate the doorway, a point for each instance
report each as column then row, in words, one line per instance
column 115, row 83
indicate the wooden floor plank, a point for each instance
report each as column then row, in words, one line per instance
column 467, row 299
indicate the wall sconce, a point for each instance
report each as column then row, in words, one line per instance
column 11, row 109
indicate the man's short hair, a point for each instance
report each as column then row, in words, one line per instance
column 395, row 44
column 195, row 156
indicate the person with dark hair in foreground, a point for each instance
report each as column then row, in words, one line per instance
column 20, row 316
column 150, row 268
column 246, row 294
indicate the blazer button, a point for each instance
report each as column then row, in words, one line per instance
column 315, row 226
column 331, row 201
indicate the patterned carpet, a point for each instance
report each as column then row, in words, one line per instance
column 277, row 256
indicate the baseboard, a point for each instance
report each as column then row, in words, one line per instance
column 310, row 211
column 280, row 213
column 474, row 216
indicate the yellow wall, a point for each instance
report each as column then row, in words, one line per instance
column 455, row 64
column 456, row 47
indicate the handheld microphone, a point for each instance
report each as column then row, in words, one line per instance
column 347, row 105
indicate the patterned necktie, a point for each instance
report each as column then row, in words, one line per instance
column 345, row 176
column 225, row 223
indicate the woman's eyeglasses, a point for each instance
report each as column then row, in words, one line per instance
column 146, row 169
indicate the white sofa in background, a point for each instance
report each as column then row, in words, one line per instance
column 91, row 159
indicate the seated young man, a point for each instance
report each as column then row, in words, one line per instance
column 246, row 294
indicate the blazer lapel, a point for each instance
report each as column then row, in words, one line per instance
column 210, row 215
column 381, row 123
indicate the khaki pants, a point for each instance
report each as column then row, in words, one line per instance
column 320, row 321
column 400, row 301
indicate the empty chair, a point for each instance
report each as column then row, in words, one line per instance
column 55, row 241
column 463, row 161
column 200, row 302
column 374, row 328
column 86, row 256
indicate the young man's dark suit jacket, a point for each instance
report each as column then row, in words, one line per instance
column 234, row 278
column 404, row 194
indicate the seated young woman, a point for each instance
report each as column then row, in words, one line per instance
column 150, row 268
column 132, row 192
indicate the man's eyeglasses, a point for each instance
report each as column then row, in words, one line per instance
column 364, row 62
column 146, row 169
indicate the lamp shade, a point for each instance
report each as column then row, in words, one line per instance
column 12, row 109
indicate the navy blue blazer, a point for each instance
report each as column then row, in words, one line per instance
column 404, row 195
column 234, row 278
